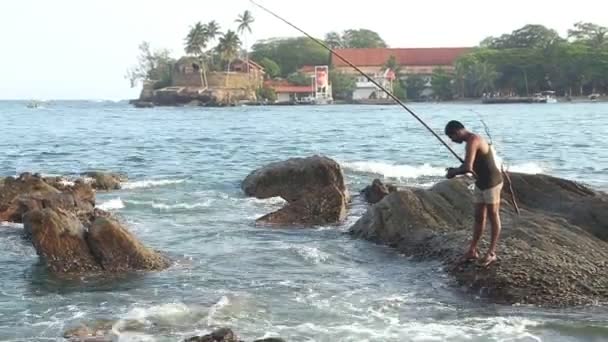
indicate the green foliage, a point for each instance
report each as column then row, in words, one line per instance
column 290, row 53
column 414, row 85
column 267, row 94
column 342, row 84
column 151, row 65
column 399, row 90
column 361, row 38
column 229, row 45
column 441, row 82
column 299, row 78
column 245, row 20
column 271, row 68
column 534, row 58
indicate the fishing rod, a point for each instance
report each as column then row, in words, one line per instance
column 369, row 78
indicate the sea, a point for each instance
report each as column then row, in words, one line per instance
column 183, row 197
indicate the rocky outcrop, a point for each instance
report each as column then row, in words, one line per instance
column 117, row 250
column 554, row 254
column 377, row 191
column 313, row 187
column 59, row 239
column 67, row 246
column 105, row 180
column 31, row 192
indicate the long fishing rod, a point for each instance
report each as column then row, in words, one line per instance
column 369, row 78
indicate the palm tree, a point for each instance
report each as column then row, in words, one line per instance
column 228, row 48
column 213, row 31
column 245, row 20
column 196, row 42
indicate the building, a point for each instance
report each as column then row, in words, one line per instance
column 187, row 73
column 411, row 61
column 291, row 93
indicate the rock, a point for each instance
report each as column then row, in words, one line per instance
column 105, row 181
column 12, row 189
column 313, row 187
column 117, row 250
column 272, row 339
column 59, row 239
column 99, row 331
column 377, row 191
column 562, row 231
column 220, row 335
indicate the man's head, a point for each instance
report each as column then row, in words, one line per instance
column 456, row 131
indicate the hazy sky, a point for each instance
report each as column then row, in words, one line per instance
column 80, row 49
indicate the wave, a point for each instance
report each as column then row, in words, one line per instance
column 394, row 170
column 311, row 254
column 529, row 168
column 6, row 224
column 113, row 204
column 164, row 206
column 151, row 183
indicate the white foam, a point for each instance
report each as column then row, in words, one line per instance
column 66, row 182
column 269, row 201
column 222, row 303
column 166, row 314
column 5, row 224
column 165, row 206
column 151, row 183
column 529, row 168
column 312, row 254
column 394, row 170
column 113, row 204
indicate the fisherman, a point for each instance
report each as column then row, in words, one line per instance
column 479, row 161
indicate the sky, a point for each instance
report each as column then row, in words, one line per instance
column 81, row 49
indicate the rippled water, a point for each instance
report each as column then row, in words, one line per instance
column 185, row 166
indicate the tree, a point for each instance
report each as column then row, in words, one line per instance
column 245, row 20
column 154, row 66
column 267, row 94
column 196, row 43
column 441, row 82
column 299, row 78
column 399, row 90
column 213, row 30
column 362, row 38
column 342, row 84
column 271, row 68
column 594, row 35
column 334, row 40
column 414, row 86
column 228, row 48
column 529, row 36
column 290, row 53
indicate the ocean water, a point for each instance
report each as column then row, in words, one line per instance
column 185, row 167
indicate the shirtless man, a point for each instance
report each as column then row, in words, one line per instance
column 480, row 162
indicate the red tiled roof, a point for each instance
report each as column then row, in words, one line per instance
column 405, row 57
column 293, row 89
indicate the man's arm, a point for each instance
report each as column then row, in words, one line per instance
column 467, row 166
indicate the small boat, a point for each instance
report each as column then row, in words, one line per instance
column 547, row 96
column 34, row 104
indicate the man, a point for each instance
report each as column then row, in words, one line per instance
column 479, row 161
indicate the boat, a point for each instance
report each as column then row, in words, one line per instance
column 547, row 96
column 34, row 104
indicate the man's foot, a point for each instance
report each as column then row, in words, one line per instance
column 470, row 255
column 489, row 259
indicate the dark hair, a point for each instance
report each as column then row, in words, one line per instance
column 453, row 126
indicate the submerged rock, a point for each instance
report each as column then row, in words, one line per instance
column 117, row 250
column 313, row 187
column 99, row 331
column 104, row 180
column 554, row 254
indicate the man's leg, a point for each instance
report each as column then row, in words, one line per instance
column 478, row 228
column 494, row 213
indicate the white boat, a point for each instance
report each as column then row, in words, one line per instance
column 547, row 96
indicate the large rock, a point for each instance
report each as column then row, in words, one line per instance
column 117, row 250
column 104, row 180
column 313, row 187
column 59, row 240
column 554, row 254
column 18, row 196
column 220, row 335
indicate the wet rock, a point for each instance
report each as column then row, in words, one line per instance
column 313, row 187
column 104, row 180
column 220, row 335
column 99, row 331
column 377, row 191
column 59, row 239
column 552, row 255
column 272, row 339
column 117, row 250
